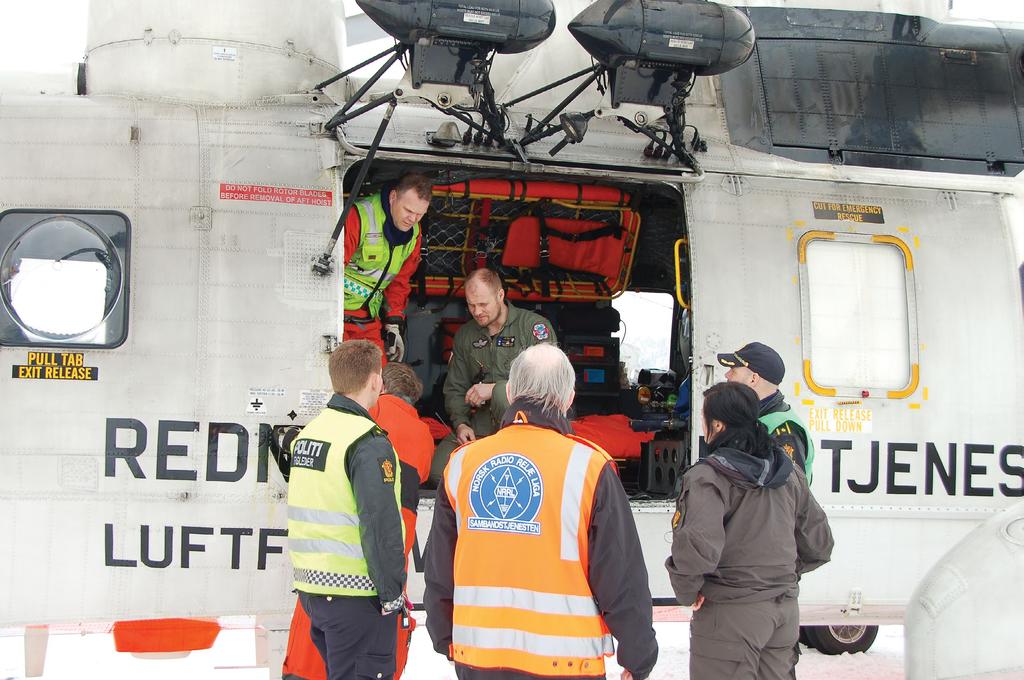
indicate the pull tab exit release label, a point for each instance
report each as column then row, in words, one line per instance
column 55, row 366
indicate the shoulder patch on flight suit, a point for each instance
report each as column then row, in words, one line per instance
column 387, row 470
column 480, row 343
column 540, row 331
column 677, row 519
column 789, row 449
column 509, row 341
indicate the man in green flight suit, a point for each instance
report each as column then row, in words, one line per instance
column 482, row 354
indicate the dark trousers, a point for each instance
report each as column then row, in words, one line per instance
column 355, row 641
column 748, row 641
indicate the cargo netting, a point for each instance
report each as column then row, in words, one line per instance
column 548, row 240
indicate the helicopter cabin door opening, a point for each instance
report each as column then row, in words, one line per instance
column 571, row 249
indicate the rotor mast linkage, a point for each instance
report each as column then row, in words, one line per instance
column 574, row 125
column 646, row 62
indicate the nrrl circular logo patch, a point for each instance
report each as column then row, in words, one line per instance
column 505, row 494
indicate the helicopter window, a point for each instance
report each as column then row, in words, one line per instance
column 645, row 330
column 63, row 278
column 859, row 333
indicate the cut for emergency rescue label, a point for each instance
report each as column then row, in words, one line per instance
column 850, row 212
column 268, row 194
column 55, row 366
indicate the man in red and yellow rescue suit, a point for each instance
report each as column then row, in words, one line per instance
column 532, row 563
column 382, row 252
column 414, row 445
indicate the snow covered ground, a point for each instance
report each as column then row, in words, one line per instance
column 83, row 656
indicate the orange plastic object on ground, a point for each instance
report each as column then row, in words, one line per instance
column 613, row 434
column 164, row 635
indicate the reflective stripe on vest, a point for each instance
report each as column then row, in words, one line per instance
column 572, row 499
column 518, row 598
column 326, row 546
column 522, row 600
column 322, row 516
column 323, row 522
column 557, row 646
column 452, row 476
column 357, row 289
column 365, row 272
column 353, row 584
column 772, row 421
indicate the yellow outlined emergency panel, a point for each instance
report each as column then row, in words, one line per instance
column 830, row 322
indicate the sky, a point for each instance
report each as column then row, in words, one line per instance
column 43, row 35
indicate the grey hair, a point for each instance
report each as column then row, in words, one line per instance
column 543, row 375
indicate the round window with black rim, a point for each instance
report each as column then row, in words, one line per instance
column 63, row 278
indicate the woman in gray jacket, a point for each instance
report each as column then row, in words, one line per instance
column 746, row 526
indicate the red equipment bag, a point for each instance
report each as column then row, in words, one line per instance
column 548, row 240
column 613, row 434
column 579, row 245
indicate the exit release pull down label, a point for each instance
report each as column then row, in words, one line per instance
column 55, row 366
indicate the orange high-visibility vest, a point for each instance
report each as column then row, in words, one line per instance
column 523, row 500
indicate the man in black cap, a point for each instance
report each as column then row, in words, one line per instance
column 760, row 367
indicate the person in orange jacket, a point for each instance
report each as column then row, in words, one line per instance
column 411, row 438
column 531, row 566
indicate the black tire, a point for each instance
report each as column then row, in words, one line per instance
column 832, row 640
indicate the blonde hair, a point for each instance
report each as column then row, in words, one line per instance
column 352, row 364
column 484, row 277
